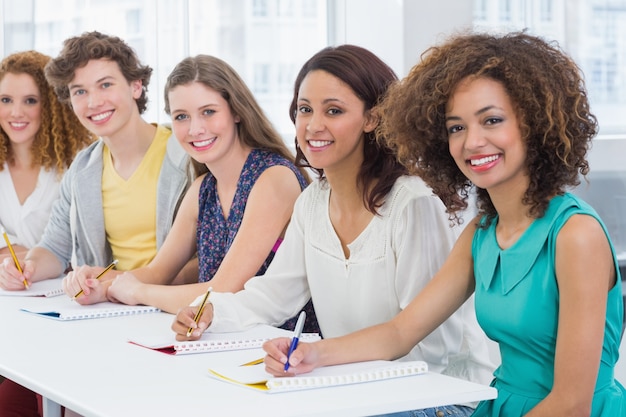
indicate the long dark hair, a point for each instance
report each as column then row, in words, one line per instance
column 369, row 77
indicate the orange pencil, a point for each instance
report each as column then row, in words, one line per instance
column 17, row 263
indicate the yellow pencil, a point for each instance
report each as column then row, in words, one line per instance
column 254, row 362
column 200, row 310
column 107, row 269
column 17, row 263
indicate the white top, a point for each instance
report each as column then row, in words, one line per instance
column 24, row 224
column 390, row 262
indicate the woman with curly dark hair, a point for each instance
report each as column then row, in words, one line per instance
column 39, row 137
column 507, row 115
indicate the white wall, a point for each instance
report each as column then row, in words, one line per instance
column 421, row 25
column 428, row 23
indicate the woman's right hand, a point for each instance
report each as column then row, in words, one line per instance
column 302, row 360
column 184, row 321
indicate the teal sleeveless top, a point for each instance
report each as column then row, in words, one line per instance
column 517, row 305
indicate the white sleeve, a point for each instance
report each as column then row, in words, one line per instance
column 423, row 239
column 271, row 298
column 25, row 223
column 423, row 248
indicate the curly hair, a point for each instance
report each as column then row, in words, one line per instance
column 369, row 78
column 79, row 50
column 547, row 91
column 60, row 135
column 254, row 128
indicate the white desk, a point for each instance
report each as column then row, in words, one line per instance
column 88, row 366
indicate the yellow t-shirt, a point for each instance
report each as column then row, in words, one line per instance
column 130, row 205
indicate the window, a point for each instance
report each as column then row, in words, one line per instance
column 134, row 21
column 590, row 32
column 505, row 11
column 260, row 8
column 287, row 73
column 267, row 41
column 163, row 32
column 545, row 11
column 285, row 8
column 262, row 78
column 309, row 8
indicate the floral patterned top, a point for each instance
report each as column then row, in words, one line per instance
column 215, row 233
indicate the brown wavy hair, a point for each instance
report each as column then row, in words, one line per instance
column 60, row 135
column 79, row 50
column 369, row 78
column 254, row 128
column 547, row 91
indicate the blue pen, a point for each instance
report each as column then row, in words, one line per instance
column 296, row 335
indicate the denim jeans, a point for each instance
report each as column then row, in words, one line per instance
column 445, row 411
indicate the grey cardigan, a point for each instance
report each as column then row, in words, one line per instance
column 75, row 231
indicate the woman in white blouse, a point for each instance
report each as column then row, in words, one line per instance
column 39, row 137
column 364, row 238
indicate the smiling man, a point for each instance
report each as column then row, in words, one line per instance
column 120, row 195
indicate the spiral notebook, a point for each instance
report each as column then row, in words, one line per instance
column 255, row 377
column 67, row 309
column 46, row 288
column 215, row 342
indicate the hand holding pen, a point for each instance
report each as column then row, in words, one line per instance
column 297, row 333
column 285, row 356
column 100, row 275
column 196, row 318
column 14, row 257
